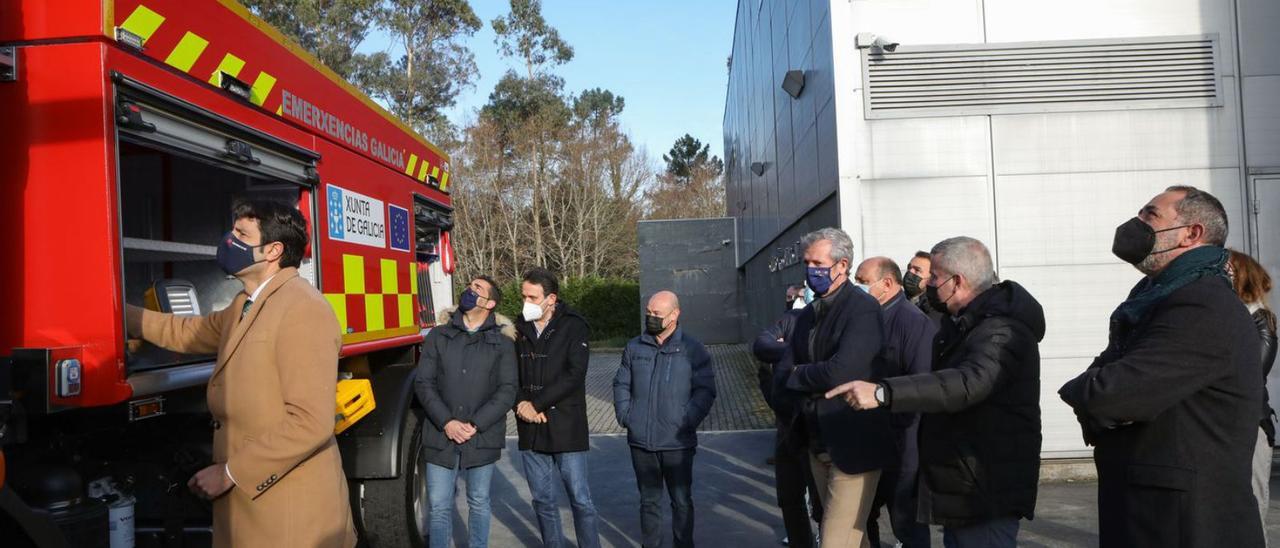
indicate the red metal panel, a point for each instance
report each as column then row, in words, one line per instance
column 374, row 346
column 59, row 281
column 27, row 20
column 305, row 92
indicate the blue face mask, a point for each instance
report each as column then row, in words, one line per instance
column 864, row 287
column 468, row 300
column 819, row 279
column 234, row 255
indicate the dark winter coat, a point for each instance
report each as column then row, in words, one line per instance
column 662, row 393
column 553, row 376
column 837, row 339
column 1171, row 407
column 908, row 350
column 469, row 377
column 769, row 349
column 922, row 303
column 980, row 428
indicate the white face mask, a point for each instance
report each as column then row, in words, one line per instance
column 798, row 304
column 531, row 312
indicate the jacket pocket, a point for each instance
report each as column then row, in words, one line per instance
column 962, row 474
column 1160, row 504
column 493, row 438
column 433, row 437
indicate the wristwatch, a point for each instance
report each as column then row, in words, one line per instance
column 880, row 395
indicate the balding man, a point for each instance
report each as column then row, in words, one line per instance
column 980, row 404
column 907, row 347
column 663, row 389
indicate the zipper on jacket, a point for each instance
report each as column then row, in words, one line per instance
column 653, row 396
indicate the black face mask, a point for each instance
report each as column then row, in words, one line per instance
column 911, row 284
column 653, row 325
column 935, row 302
column 1135, row 240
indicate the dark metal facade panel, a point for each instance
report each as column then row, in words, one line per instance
column 694, row 258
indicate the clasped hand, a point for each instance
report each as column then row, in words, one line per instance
column 459, row 432
column 527, row 413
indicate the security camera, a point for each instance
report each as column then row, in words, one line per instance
column 870, row 40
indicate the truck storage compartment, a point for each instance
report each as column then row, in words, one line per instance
column 181, row 168
column 174, row 211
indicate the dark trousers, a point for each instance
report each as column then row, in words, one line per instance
column 897, row 492
column 675, row 470
column 792, row 478
column 995, row 533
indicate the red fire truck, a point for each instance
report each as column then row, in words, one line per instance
column 130, row 127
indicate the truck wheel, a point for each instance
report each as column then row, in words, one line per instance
column 393, row 512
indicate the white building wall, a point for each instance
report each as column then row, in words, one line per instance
column 1046, row 191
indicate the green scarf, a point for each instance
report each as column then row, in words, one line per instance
column 1191, row 266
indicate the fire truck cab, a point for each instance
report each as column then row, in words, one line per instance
column 131, row 127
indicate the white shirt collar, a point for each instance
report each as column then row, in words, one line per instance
column 258, row 291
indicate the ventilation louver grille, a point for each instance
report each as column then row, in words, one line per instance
column 182, row 301
column 919, row 81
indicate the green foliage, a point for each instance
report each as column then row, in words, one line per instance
column 329, row 29
column 432, row 66
column 598, row 108
column 423, row 74
column 688, row 156
column 691, row 187
column 526, row 34
column 520, row 104
column 611, row 305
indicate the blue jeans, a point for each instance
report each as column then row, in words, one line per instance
column 996, row 533
column 540, row 471
column 441, row 487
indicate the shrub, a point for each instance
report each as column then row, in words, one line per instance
column 611, row 305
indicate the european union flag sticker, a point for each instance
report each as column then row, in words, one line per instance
column 399, row 229
column 336, row 229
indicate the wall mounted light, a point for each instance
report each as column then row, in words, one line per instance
column 870, row 40
column 793, row 83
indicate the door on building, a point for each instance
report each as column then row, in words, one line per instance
column 1266, row 212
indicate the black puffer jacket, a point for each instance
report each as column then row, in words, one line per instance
column 470, row 377
column 980, row 432
column 553, row 376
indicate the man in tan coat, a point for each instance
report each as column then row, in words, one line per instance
column 276, row 480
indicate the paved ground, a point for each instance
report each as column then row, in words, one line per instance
column 738, row 406
column 735, row 505
column 733, row 489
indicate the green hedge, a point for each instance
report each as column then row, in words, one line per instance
column 611, row 305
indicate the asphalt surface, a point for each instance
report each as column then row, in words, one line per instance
column 734, row 500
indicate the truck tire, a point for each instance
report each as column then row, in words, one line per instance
column 393, row 512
